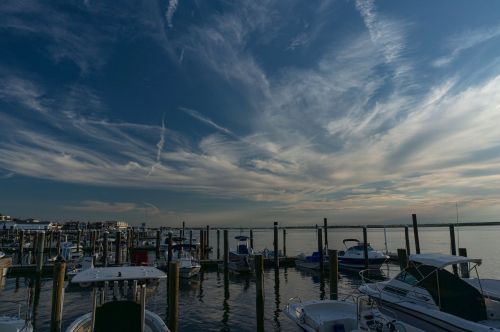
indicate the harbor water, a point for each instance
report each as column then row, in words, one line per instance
column 206, row 304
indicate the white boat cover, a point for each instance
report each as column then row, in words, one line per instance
column 442, row 260
column 118, row 273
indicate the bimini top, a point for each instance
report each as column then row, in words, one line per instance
column 118, row 273
column 441, row 260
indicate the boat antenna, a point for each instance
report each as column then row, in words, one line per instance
column 458, row 229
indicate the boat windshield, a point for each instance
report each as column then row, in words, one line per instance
column 360, row 248
column 409, row 276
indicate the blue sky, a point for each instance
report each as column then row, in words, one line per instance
column 246, row 112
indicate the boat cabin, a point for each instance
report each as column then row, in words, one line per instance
column 119, row 300
column 243, row 246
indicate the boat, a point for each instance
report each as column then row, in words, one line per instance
column 16, row 323
column 311, row 262
column 241, row 261
column 342, row 316
column 125, row 288
column 2, row 255
column 428, row 296
column 71, row 252
column 354, row 256
column 188, row 265
column 86, row 263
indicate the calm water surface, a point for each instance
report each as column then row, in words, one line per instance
column 205, row 304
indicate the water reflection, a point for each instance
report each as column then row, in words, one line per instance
column 225, row 303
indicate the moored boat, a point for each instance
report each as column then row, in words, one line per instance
column 241, row 261
column 430, row 297
column 126, row 310
column 354, row 256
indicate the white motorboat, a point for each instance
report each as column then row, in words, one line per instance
column 14, row 324
column 354, row 256
column 342, row 316
column 430, row 297
column 188, row 265
column 125, row 287
column 241, row 261
column 86, row 263
column 70, row 252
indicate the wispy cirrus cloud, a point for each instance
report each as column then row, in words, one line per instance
column 468, row 39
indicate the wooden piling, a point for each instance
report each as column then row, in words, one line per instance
column 218, row 244
column 226, row 250
column 407, row 241
column 325, row 229
column 93, row 239
column 105, row 249
column 202, row 244
column 40, row 250
column 78, row 239
column 57, row 294
column 334, row 274
column 365, row 246
column 415, row 233
column 320, row 250
column 207, row 241
column 173, row 296
column 403, row 259
column 59, row 239
column 464, row 267
column 190, row 241
column 251, row 238
column 158, row 239
column 259, row 295
column 284, row 242
column 170, row 245
column 118, row 248
column 453, row 247
column 275, row 244
column 20, row 251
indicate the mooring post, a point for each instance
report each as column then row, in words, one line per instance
column 158, row 239
column 251, row 238
column 207, row 242
column 170, row 245
column 284, row 242
column 34, row 247
column 320, row 250
column 365, row 246
column 59, row 239
column 118, row 248
column 325, row 229
column 407, row 240
column 275, row 244
column 20, row 251
column 464, row 267
column 202, row 244
column 403, row 259
column 453, row 247
column 105, row 249
column 226, row 250
column 93, row 239
column 183, row 229
column 173, row 296
column 57, row 294
column 334, row 274
column 40, row 249
column 191, row 242
column 259, row 286
column 78, row 239
column 415, row 233
column 218, row 244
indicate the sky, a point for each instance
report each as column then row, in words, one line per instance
column 247, row 112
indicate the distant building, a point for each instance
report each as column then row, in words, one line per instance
column 4, row 218
column 31, row 224
column 72, row 225
column 118, row 225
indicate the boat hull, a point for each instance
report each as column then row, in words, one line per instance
column 359, row 263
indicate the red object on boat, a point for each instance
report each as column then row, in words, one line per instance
column 139, row 258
